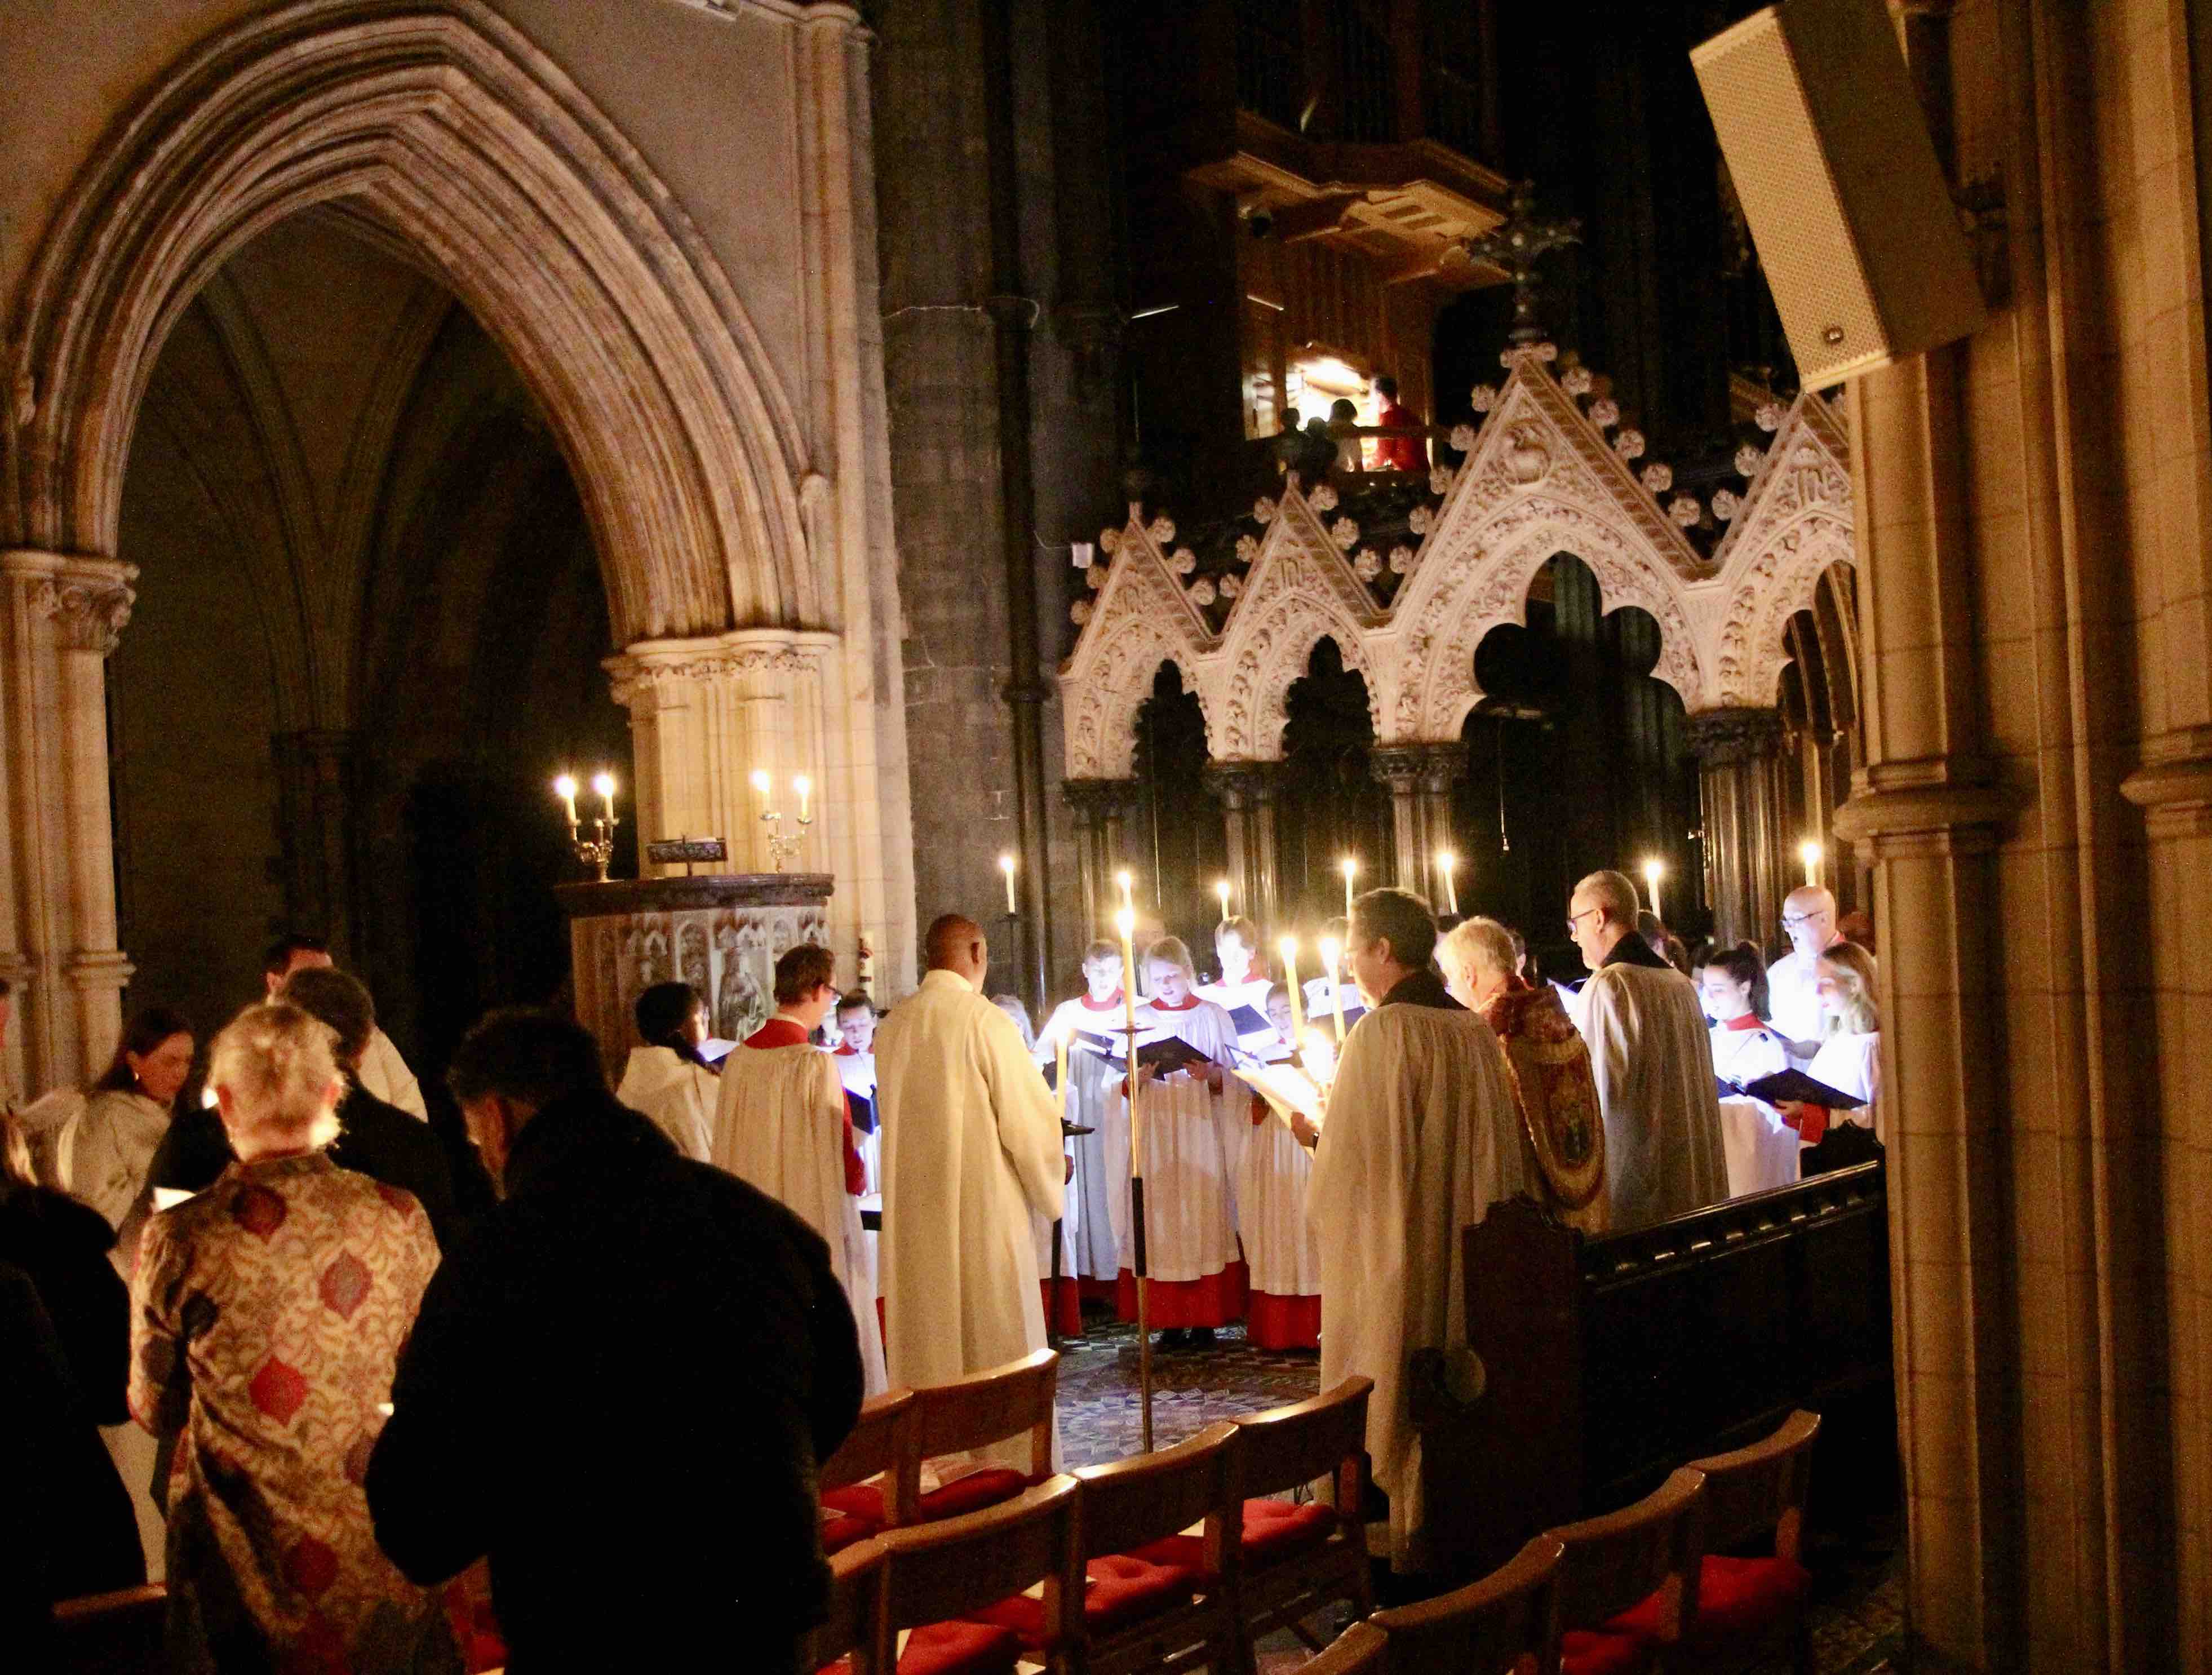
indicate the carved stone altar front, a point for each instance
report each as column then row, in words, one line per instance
column 721, row 934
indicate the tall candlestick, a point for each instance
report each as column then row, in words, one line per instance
column 1126, row 923
column 1652, row 870
column 1351, row 870
column 1006, row 866
column 1288, row 948
column 1447, row 864
column 1330, row 953
column 1221, row 889
column 805, row 787
column 565, row 789
column 1059, row 1062
column 1809, row 853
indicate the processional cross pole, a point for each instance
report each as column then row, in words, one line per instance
column 1514, row 246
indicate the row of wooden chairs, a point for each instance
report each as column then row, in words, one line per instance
column 1649, row 1590
column 1161, row 1562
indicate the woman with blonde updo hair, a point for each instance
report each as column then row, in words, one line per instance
column 268, row 1314
column 1850, row 1059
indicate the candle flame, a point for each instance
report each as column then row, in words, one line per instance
column 802, row 785
column 760, row 780
column 1289, row 945
column 1126, row 923
column 1007, row 864
column 1350, row 868
column 1447, row 860
column 1653, row 870
column 604, row 784
column 1809, row 853
column 565, row 785
column 1330, row 948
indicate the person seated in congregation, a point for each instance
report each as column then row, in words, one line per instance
column 1733, row 986
column 665, row 1078
column 1849, row 1060
column 1088, row 1025
column 383, row 1071
column 1549, row 1064
column 1192, row 1135
column 267, row 1316
column 619, row 1387
column 65, row 1364
column 1282, row 1248
column 855, row 1054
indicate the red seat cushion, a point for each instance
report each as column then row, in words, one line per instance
column 1273, row 1530
column 1584, row 1652
column 991, row 1487
column 841, row 1530
column 1739, row 1600
column 1123, row 1589
column 951, row 1648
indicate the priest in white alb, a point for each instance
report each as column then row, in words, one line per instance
column 1420, row 1139
column 1652, row 1061
column 780, row 1125
column 971, row 1151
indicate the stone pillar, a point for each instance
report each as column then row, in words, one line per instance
column 1420, row 778
column 1247, row 791
column 60, row 617
column 1747, row 851
column 1098, row 804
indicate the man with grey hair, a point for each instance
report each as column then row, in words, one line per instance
column 1652, row 1062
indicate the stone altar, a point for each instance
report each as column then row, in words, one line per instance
column 719, row 933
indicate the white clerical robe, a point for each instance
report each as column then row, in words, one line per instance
column 384, row 1075
column 1793, row 998
column 1253, row 993
column 1087, row 1222
column 857, row 1071
column 971, row 1151
column 779, row 1125
column 1191, row 1151
column 1742, row 1056
column 1422, row 1137
column 1851, row 1064
column 1280, row 1245
column 1654, row 1069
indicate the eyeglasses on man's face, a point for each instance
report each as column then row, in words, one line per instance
column 1791, row 921
column 1574, row 921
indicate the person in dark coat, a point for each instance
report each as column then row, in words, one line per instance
column 619, row 1385
column 375, row 1139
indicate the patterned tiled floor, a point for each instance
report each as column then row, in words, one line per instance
column 1857, row 1616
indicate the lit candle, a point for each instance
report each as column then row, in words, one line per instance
column 805, row 787
column 604, row 785
column 1330, row 952
column 1447, row 864
column 1809, row 853
column 1006, row 866
column 1652, row 870
column 1221, row 889
column 1126, row 923
column 761, row 786
column 1351, row 870
column 565, row 789
column 1059, row 1062
column 1288, row 948
column 1127, row 881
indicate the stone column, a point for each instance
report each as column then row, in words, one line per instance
column 1098, row 804
column 315, row 795
column 1420, row 777
column 63, row 615
column 1740, row 768
column 1247, row 791
column 1399, row 768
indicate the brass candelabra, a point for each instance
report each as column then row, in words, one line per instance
column 598, row 850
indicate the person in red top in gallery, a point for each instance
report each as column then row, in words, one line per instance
column 782, row 1125
column 1398, row 453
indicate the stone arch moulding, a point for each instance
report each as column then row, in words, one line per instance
column 443, row 122
column 1102, row 727
column 1269, row 655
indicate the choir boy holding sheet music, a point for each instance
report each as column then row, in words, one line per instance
column 1281, row 1250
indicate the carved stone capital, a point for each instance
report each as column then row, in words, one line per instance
column 1098, row 800
column 2173, row 788
column 94, row 969
column 651, row 666
column 1243, row 785
column 1431, row 766
column 1909, row 812
column 1724, row 736
column 88, row 599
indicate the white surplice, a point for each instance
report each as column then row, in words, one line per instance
column 1280, row 1245
column 1851, row 1064
column 1654, row 1069
column 679, row 1097
column 384, row 1075
column 1252, row 993
column 1793, row 1000
column 1191, row 1155
column 971, row 1152
column 1087, row 1223
column 779, row 1125
column 857, row 1071
column 1422, row 1137
column 1742, row 1056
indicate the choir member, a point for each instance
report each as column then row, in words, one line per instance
column 383, row 1072
column 1849, row 1060
column 782, row 1125
column 619, row 1387
column 1242, row 989
column 1193, row 1136
column 1649, row 1052
column 1063, row 1312
column 1282, row 1253
column 1744, row 1048
column 855, row 1054
column 1420, row 1139
column 1793, row 998
column 667, row 1079
column 971, row 1152
column 1087, row 1026
column 1549, row 1065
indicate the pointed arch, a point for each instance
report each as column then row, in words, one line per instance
column 442, row 124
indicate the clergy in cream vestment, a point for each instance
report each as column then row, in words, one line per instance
column 1421, row 1138
column 1652, row 1059
column 971, row 1151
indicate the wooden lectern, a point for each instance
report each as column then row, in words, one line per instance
column 719, row 933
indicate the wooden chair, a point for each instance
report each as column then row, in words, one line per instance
column 939, row 1578
column 1752, row 1609
column 1508, row 1624
column 1361, row 1649
column 1139, row 1613
column 1293, row 1558
column 990, row 1407
column 112, row 1634
column 1615, row 1563
column 873, row 1448
column 847, row 1638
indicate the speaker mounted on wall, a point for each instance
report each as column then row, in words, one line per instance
column 1854, row 222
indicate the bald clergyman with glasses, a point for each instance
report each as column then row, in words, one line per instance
column 1793, row 998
